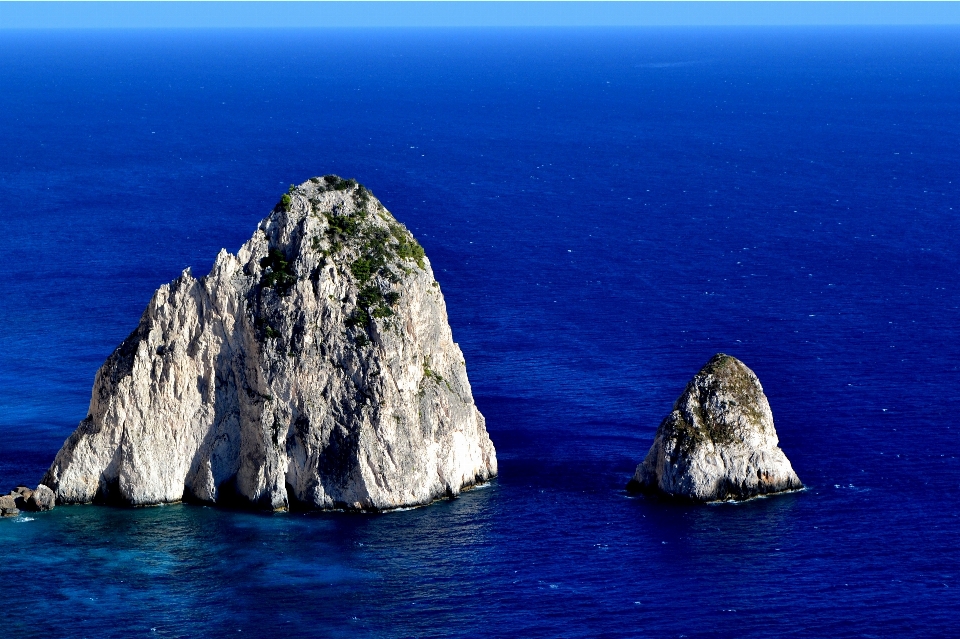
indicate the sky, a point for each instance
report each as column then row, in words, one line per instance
column 280, row 14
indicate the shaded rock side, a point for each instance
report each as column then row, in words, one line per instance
column 313, row 369
column 719, row 442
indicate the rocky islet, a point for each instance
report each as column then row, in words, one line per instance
column 718, row 443
column 314, row 369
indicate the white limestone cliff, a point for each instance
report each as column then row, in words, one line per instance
column 718, row 443
column 315, row 369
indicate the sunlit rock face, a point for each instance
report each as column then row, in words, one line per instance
column 718, row 443
column 313, row 369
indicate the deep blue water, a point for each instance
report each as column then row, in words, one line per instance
column 604, row 210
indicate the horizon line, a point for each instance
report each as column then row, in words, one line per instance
column 281, row 14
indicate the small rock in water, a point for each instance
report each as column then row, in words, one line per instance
column 23, row 498
column 719, row 442
column 8, row 506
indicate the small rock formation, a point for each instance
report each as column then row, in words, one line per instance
column 22, row 498
column 8, row 505
column 315, row 369
column 719, row 442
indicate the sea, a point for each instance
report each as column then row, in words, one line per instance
column 604, row 209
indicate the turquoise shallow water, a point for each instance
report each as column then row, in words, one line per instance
column 604, row 210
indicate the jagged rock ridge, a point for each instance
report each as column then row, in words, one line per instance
column 315, row 369
column 718, row 443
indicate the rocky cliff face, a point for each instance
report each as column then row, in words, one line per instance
column 719, row 442
column 314, row 369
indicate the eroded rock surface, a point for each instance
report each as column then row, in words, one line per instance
column 314, row 369
column 719, row 442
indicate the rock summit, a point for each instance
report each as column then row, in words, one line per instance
column 314, row 369
column 718, row 443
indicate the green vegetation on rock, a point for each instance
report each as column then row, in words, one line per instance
column 375, row 249
column 741, row 386
column 378, row 251
column 337, row 183
column 407, row 246
column 278, row 273
column 429, row 373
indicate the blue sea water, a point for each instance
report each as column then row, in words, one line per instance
column 604, row 209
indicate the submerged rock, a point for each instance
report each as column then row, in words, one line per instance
column 314, row 369
column 719, row 442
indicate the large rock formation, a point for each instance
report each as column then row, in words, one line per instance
column 314, row 369
column 719, row 442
